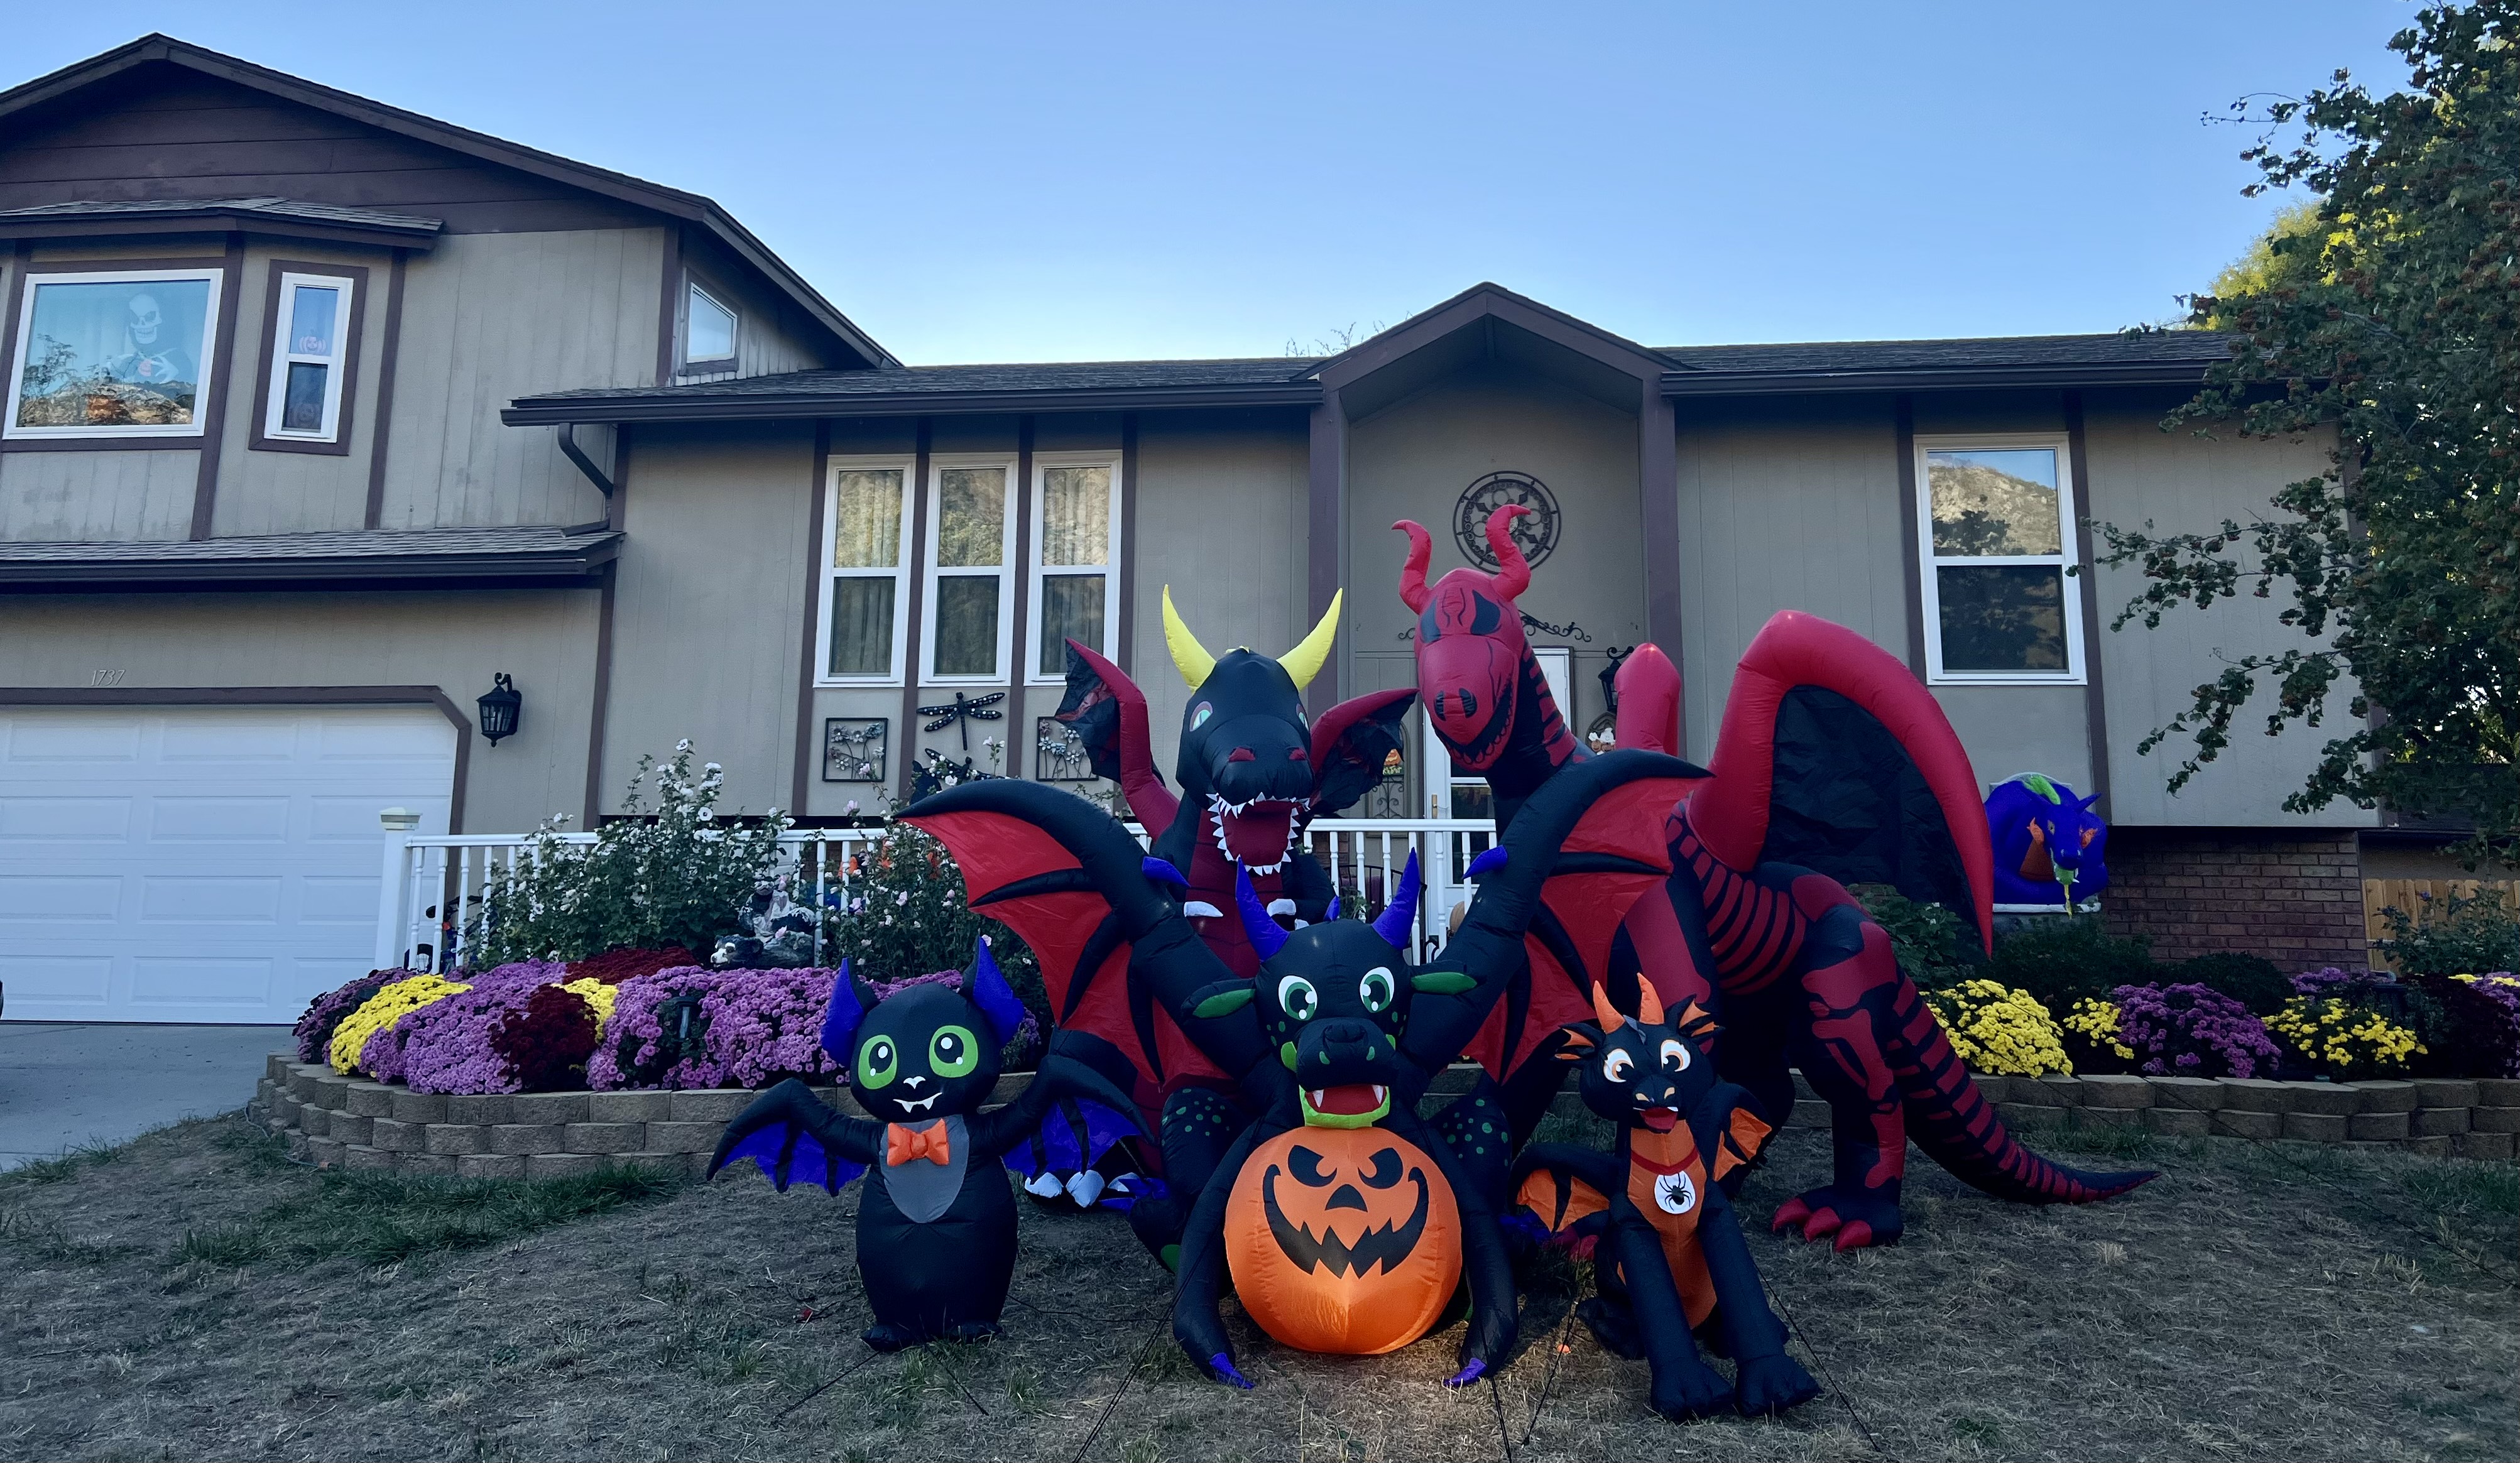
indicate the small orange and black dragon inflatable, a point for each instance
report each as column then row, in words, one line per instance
column 1667, row 1252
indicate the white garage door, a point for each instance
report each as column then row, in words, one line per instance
column 201, row 863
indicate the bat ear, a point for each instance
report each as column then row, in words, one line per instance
column 866, row 994
column 1580, row 1038
column 1694, row 1021
column 840, row 1021
column 993, row 996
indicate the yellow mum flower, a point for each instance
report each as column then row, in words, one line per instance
column 382, row 1011
column 599, row 997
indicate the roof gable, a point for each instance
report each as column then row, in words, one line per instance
column 162, row 119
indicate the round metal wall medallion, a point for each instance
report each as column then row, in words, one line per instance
column 1535, row 533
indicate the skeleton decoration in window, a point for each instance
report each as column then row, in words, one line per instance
column 854, row 748
column 936, row 1226
column 113, row 353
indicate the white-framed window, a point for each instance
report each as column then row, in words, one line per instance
column 309, row 358
column 1075, row 590
column 866, row 556
column 708, row 326
column 123, row 353
column 1996, row 531
column 970, row 631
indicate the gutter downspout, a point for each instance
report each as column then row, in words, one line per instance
column 586, row 464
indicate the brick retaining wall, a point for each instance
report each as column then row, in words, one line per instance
column 354, row 1123
column 2294, row 897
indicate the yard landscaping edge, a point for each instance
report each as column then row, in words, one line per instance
column 354, row 1123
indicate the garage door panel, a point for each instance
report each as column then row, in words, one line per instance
column 248, row 738
column 228, row 819
column 60, row 898
column 337, row 899
column 211, row 899
column 55, row 739
column 66, row 820
column 202, row 980
column 66, row 982
column 201, row 863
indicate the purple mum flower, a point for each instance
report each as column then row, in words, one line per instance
column 2188, row 1028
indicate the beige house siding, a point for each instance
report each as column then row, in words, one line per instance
column 298, row 492
column 97, row 497
column 491, row 317
column 2182, row 482
column 454, row 641
column 709, row 606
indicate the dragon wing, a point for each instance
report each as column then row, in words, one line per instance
column 1071, row 881
column 1834, row 757
column 1599, row 826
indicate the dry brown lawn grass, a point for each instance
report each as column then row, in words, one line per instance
column 194, row 1296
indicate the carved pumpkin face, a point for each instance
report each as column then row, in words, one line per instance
column 1343, row 1240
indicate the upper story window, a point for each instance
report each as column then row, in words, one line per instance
column 1076, row 593
column 866, row 548
column 309, row 351
column 114, row 354
column 972, row 530
column 1995, row 530
column 708, row 328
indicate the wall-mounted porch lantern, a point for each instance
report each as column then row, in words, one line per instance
column 500, row 709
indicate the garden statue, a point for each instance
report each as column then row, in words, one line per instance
column 1668, row 1256
column 936, row 1226
column 2050, row 846
column 1832, row 766
column 1345, row 1220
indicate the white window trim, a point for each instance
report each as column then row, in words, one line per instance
column 9, row 426
column 1039, row 494
column 2069, row 535
column 899, row 573
column 692, row 284
column 281, row 358
column 934, row 511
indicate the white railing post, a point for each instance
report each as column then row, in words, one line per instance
column 393, row 896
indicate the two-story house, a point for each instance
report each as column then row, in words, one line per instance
column 321, row 415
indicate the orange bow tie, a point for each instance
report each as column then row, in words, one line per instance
column 902, row 1145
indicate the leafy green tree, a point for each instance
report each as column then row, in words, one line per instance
column 2285, row 256
column 2400, row 564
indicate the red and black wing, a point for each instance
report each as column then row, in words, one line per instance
column 1614, row 853
column 1067, row 878
column 1833, row 756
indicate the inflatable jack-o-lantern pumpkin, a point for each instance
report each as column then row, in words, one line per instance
column 1343, row 1240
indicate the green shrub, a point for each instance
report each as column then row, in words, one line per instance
column 1933, row 948
column 683, row 877
column 2460, row 935
column 2060, row 960
column 2256, row 983
column 903, row 912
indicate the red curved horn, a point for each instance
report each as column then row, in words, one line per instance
column 1513, row 572
column 1413, row 574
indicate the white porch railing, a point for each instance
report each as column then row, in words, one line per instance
column 435, row 886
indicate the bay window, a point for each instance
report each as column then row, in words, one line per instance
column 972, row 529
column 866, row 547
column 1075, row 587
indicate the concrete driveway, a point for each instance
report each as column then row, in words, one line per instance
column 65, row 1084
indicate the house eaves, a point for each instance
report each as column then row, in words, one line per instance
column 358, row 559
column 2127, row 359
column 941, row 391
column 673, row 203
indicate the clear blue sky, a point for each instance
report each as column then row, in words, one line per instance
column 1069, row 182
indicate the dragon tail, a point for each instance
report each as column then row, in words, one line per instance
column 1957, row 1128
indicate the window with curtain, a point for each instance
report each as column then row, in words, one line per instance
column 1074, row 591
column 306, row 358
column 969, row 571
column 862, row 607
column 1996, row 532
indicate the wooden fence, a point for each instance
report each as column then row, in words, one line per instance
column 2411, row 895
